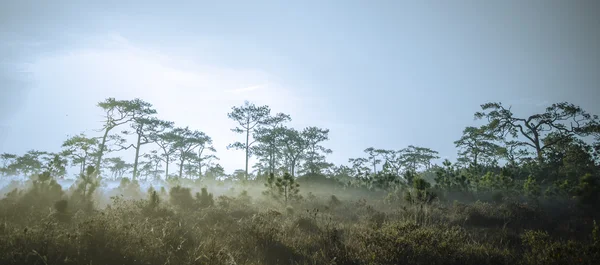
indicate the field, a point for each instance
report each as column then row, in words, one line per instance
column 40, row 223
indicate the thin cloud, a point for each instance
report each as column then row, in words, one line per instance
column 246, row 89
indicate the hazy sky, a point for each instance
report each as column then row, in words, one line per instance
column 376, row 73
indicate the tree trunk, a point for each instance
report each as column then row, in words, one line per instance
column 181, row 168
column 85, row 162
column 540, row 155
column 293, row 168
column 102, row 146
column 538, row 148
column 155, row 174
column 167, row 168
column 200, row 151
column 374, row 166
column 137, row 156
column 272, row 164
column 247, row 151
column 272, row 159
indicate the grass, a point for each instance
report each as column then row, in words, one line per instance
column 240, row 227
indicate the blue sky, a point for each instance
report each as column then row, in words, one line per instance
column 376, row 73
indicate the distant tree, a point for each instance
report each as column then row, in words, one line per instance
column 238, row 174
column 144, row 128
column 249, row 118
column 514, row 152
column 294, row 146
column 315, row 152
column 414, row 157
column 80, row 149
column 268, row 136
column 117, row 166
column 342, row 171
column 167, row 142
column 215, row 172
column 203, row 158
column 186, row 141
column 448, row 178
column 30, row 163
column 392, row 161
column 7, row 161
column 119, row 112
column 477, row 145
column 360, row 165
column 153, row 164
column 56, row 165
column 571, row 157
column 374, row 155
column 563, row 117
column 190, row 170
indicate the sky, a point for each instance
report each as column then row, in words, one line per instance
column 383, row 74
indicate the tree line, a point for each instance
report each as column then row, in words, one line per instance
column 562, row 142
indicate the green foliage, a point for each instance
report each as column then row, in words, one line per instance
column 559, row 189
column 588, row 190
column 85, row 187
column 181, row 197
column 81, row 150
column 532, row 188
column 204, row 198
column 283, row 188
column 449, row 179
column 477, row 147
column 543, row 250
column 421, row 192
column 271, row 190
column 61, row 208
column 154, row 200
column 491, row 181
column 7, row 167
column 287, row 187
column 249, row 118
column 43, row 192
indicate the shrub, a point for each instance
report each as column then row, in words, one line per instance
column 204, row 198
column 181, row 197
column 531, row 188
column 420, row 193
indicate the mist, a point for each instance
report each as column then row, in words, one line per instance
column 272, row 132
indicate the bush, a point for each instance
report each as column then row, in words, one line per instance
column 181, row 197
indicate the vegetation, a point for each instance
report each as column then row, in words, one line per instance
column 525, row 190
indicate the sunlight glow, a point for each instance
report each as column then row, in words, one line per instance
column 186, row 92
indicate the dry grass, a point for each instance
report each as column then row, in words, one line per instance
column 238, row 228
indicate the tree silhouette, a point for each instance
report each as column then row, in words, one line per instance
column 80, row 148
column 563, row 117
column 119, row 112
column 249, row 118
